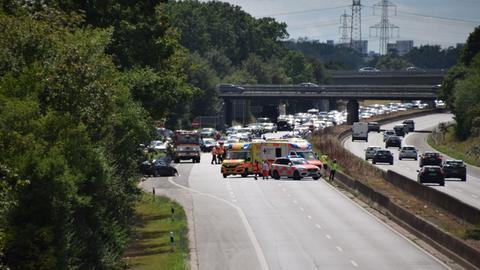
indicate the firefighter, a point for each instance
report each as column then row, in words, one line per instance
column 214, row 155
column 220, row 153
column 256, row 169
column 265, row 170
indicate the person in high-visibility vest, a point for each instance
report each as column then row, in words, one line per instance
column 324, row 160
column 265, row 170
column 333, row 170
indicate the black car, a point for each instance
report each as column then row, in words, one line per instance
column 393, row 141
column 400, row 130
column 383, row 156
column 431, row 174
column 455, row 169
column 159, row 167
column 284, row 125
column 373, row 126
column 430, row 158
column 410, row 124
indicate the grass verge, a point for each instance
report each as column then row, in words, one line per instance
column 150, row 246
column 457, row 149
column 327, row 142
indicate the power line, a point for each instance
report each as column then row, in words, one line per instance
column 303, row 11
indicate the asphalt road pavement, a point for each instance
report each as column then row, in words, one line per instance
column 242, row 223
column 468, row 192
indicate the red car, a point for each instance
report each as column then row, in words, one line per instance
column 295, row 168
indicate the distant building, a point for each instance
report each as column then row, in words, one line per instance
column 360, row 46
column 401, row 47
column 331, row 42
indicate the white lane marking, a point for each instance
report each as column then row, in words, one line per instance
column 231, row 192
column 328, row 236
column 253, row 239
column 354, row 263
column 301, row 209
column 309, row 217
column 474, row 196
column 391, row 229
column 318, row 226
column 459, row 190
column 288, row 195
column 234, row 200
column 339, row 249
column 295, row 202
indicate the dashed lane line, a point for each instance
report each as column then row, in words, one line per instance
column 340, row 249
column 354, row 263
column 309, row 217
column 318, row 226
column 328, row 236
column 253, row 239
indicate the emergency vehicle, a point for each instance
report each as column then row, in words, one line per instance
column 295, row 168
column 237, row 160
column 271, row 150
column 186, row 146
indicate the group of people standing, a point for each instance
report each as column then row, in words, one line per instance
column 261, row 169
column 218, row 154
column 333, row 167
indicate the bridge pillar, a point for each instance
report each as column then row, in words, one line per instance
column 321, row 104
column 332, row 104
column 352, row 110
column 228, row 111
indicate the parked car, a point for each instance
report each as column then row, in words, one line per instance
column 295, row 168
column 410, row 125
column 393, row 141
column 374, row 126
column 159, row 167
column 383, row 156
column 207, row 144
column 431, row 174
column 388, row 133
column 430, row 158
column 408, row 151
column 455, row 169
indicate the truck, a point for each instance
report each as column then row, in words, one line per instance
column 360, row 131
column 186, row 146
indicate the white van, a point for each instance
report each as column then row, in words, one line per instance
column 360, row 131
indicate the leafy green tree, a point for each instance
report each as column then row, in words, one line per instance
column 467, row 104
column 471, row 48
column 297, row 68
column 432, row 56
column 391, row 62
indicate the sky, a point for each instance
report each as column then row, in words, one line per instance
column 434, row 22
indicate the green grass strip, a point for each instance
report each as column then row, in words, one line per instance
column 150, row 246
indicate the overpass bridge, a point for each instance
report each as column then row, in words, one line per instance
column 321, row 96
column 431, row 77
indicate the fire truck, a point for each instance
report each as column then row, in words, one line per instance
column 186, row 146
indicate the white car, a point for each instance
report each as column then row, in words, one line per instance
column 408, row 151
column 368, row 70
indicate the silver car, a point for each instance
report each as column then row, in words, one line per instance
column 387, row 134
column 370, row 152
column 408, row 151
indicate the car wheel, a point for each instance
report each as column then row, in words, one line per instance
column 464, row 178
column 400, row 158
column 316, row 177
column 275, row 175
column 442, row 184
column 176, row 160
column 391, row 163
column 296, row 176
column 416, row 158
column 244, row 174
column 373, row 162
column 224, row 175
column 175, row 173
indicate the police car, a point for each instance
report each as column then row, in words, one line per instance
column 294, row 167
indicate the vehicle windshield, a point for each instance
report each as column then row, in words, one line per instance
column 409, row 148
column 307, row 155
column 187, row 140
column 237, row 155
column 299, row 161
column 454, row 163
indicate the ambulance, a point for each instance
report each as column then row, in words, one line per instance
column 273, row 149
column 238, row 160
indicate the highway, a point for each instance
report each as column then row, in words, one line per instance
column 468, row 192
column 242, row 223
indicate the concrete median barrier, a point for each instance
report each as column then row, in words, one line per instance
column 449, row 245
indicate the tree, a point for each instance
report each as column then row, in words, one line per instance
column 472, row 47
